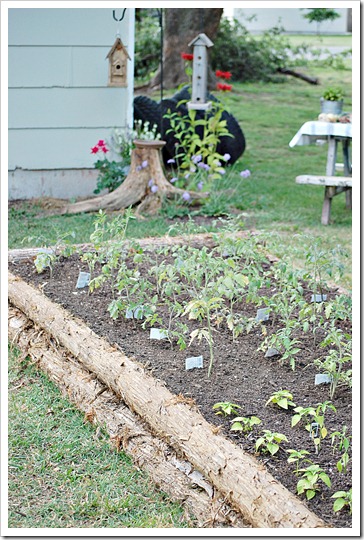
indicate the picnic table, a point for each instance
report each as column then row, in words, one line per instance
column 333, row 133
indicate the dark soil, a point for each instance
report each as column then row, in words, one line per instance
column 241, row 374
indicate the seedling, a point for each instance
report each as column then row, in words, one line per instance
column 309, row 481
column 315, row 426
column 269, row 442
column 282, row 398
column 342, row 445
column 297, row 456
column 226, row 408
column 245, row 424
column 342, row 499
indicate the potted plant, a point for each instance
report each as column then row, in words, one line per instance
column 332, row 101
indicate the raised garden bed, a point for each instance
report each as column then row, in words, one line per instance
column 240, row 374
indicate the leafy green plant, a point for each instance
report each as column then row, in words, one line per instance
column 49, row 255
column 269, row 442
column 333, row 94
column 226, row 408
column 297, row 456
column 342, row 499
column 286, row 345
column 342, row 445
column 316, row 420
column 282, row 398
column 308, row 484
column 245, row 423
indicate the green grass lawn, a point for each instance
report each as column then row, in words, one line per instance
column 320, row 41
column 61, row 475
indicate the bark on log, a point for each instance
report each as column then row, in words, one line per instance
column 101, row 407
column 247, row 485
column 145, row 166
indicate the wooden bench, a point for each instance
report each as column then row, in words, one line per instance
column 333, row 186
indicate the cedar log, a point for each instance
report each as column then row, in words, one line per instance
column 102, row 407
column 245, row 482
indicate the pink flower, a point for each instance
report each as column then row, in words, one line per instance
column 94, row 150
column 101, row 143
column 104, row 149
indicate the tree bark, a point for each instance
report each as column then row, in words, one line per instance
column 126, row 431
column 298, row 75
column 181, row 26
column 246, row 484
column 145, row 166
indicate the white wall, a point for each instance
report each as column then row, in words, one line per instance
column 292, row 20
column 59, row 101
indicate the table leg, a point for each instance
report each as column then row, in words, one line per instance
column 347, row 170
column 330, row 192
column 330, row 171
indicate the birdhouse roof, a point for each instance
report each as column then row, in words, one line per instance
column 201, row 39
column 117, row 46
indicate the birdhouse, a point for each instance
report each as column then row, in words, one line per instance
column 199, row 72
column 118, row 56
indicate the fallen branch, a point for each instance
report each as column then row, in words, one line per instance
column 302, row 76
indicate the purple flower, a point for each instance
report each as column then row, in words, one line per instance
column 187, row 175
column 154, row 189
column 245, row 174
column 200, row 186
column 196, row 159
column 151, row 182
column 186, row 196
column 144, row 164
column 171, row 160
column 221, row 171
column 173, row 180
column 204, row 166
column 226, row 157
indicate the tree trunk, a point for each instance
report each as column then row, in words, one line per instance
column 181, row 26
column 245, row 482
column 126, row 431
column 145, row 167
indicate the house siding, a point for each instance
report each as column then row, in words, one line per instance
column 59, row 100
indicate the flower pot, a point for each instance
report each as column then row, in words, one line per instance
column 334, row 107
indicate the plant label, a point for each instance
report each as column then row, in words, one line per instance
column 136, row 313
column 314, row 429
column 318, row 297
column 262, row 314
column 83, row 280
column 158, row 333
column 179, row 263
column 271, row 352
column 194, row 362
column 323, row 378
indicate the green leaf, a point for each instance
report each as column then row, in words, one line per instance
column 325, row 478
column 295, row 419
column 310, row 494
column 339, row 504
column 273, row 448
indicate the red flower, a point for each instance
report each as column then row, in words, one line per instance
column 104, row 149
column 94, row 150
column 187, row 56
column 101, row 143
column 224, row 87
column 223, row 74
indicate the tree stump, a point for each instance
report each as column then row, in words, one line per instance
column 145, row 184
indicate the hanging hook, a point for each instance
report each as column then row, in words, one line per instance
column 114, row 16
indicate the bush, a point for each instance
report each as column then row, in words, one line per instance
column 147, row 43
column 249, row 58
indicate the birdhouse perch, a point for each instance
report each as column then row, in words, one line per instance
column 199, row 72
column 118, row 56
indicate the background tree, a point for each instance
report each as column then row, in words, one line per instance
column 180, row 27
column 320, row 15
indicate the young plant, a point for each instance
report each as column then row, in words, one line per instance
column 245, row 423
column 308, row 484
column 316, row 425
column 49, row 255
column 342, row 445
column 285, row 343
column 342, row 499
column 226, row 408
column 297, row 456
column 282, row 398
column 269, row 442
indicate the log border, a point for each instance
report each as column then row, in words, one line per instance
column 247, row 485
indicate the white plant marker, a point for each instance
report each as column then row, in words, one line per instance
column 158, row 333
column 83, row 280
column 136, row 313
column 318, row 297
column 262, row 314
column 194, row 362
column 323, row 378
